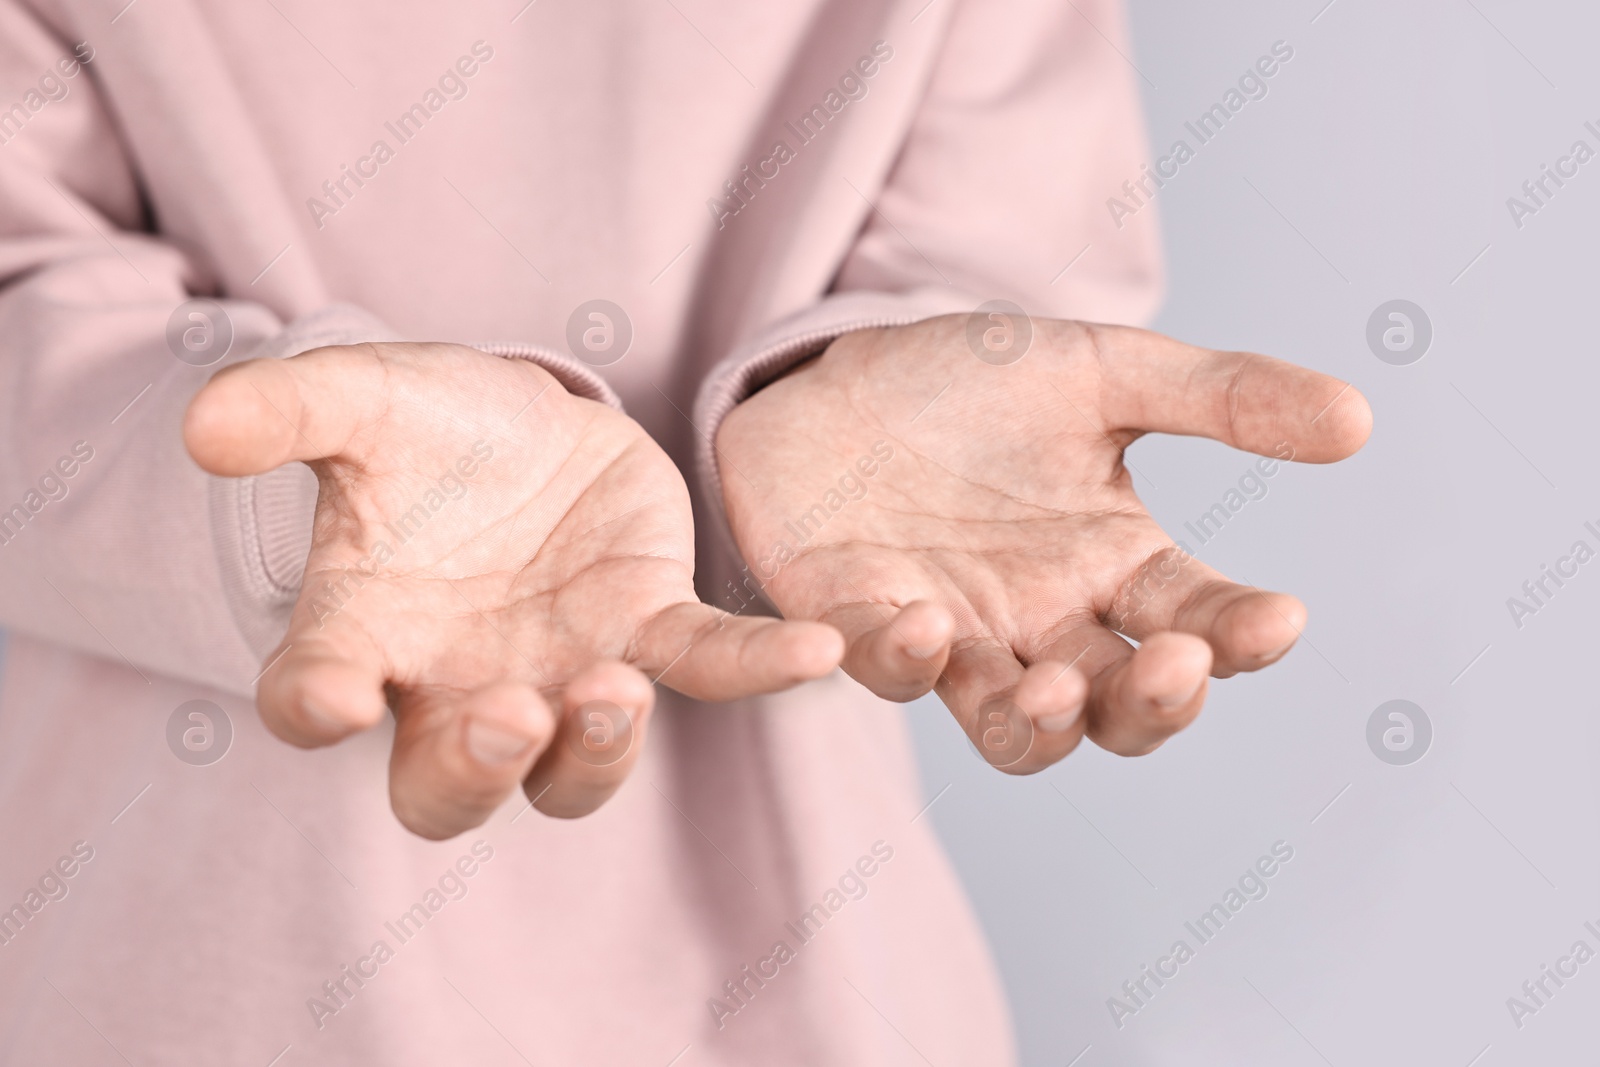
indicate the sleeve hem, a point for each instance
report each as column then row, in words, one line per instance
column 574, row 377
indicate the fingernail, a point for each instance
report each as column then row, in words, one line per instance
column 1177, row 700
column 1275, row 653
column 490, row 744
column 1059, row 723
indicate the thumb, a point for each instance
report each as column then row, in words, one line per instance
column 1251, row 402
column 260, row 414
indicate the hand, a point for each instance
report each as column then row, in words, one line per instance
column 971, row 528
column 494, row 558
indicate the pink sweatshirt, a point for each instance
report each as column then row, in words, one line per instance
column 745, row 181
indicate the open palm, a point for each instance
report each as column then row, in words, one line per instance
column 969, row 525
column 485, row 545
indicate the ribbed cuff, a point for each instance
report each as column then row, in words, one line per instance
column 574, row 377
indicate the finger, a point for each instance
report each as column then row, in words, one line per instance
column 1020, row 719
column 260, row 414
column 898, row 653
column 712, row 655
column 1146, row 697
column 458, row 755
column 1252, row 402
column 323, row 684
column 1053, row 697
column 605, row 712
column 1247, row 628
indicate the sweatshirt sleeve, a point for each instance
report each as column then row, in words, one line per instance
column 112, row 540
column 1029, row 124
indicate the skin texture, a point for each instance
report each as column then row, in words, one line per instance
column 1000, row 556
column 540, row 576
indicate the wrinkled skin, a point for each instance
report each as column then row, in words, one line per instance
column 538, row 578
column 1001, row 557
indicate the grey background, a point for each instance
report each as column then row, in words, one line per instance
column 1377, row 168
